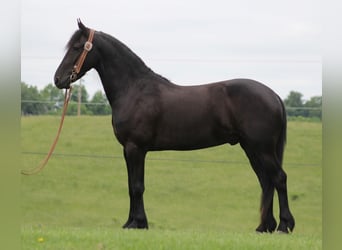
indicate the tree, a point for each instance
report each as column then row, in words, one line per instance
column 314, row 106
column 73, row 107
column 294, row 99
column 296, row 107
column 53, row 96
column 74, row 94
column 294, row 104
column 314, row 102
column 99, row 104
column 31, row 102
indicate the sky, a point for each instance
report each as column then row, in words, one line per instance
column 189, row 42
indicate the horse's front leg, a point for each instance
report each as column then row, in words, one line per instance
column 135, row 161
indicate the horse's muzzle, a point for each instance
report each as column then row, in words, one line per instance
column 59, row 83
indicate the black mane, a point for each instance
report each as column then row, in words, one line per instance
column 128, row 54
column 125, row 54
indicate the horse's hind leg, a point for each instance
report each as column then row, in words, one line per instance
column 267, row 221
column 286, row 218
column 271, row 165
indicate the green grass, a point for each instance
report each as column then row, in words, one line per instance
column 105, row 238
column 204, row 199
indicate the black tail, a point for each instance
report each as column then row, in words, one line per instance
column 282, row 137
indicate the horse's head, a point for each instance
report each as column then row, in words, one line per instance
column 79, row 58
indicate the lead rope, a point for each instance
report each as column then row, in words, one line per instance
column 45, row 161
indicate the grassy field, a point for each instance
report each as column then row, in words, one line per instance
column 205, row 199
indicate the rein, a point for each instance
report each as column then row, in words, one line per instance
column 76, row 70
column 45, row 161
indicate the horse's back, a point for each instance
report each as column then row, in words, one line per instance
column 247, row 88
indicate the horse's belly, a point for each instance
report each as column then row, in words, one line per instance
column 192, row 137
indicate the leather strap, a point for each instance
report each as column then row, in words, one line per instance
column 87, row 47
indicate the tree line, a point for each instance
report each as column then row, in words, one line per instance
column 296, row 107
column 50, row 101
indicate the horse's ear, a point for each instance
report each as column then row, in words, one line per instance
column 81, row 26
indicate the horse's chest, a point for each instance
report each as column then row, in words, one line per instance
column 133, row 130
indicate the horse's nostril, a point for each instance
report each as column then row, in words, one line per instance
column 56, row 80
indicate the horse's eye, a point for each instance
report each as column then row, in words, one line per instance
column 77, row 46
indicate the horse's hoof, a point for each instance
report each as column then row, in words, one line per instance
column 282, row 232
column 136, row 225
column 267, row 227
column 128, row 222
column 286, row 225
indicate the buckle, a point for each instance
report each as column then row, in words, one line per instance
column 73, row 76
column 88, row 46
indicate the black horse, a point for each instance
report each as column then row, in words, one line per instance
column 150, row 113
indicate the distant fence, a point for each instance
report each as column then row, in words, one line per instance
column 304, row 112
column 120, row 157
column 31, row 107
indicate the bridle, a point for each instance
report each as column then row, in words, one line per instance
column 87, row 47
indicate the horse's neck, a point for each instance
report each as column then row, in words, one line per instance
column 115, row 72
column 116, row 82
column 110, row 82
